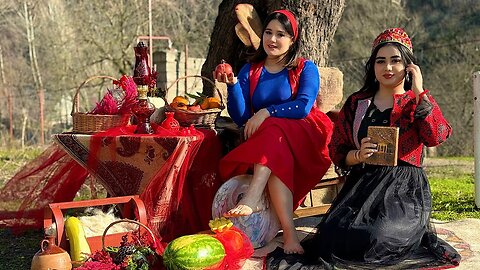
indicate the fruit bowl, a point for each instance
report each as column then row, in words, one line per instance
column 203, row 118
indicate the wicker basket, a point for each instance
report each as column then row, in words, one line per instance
column 203, row 118
column 92, row 123
column 141, row 225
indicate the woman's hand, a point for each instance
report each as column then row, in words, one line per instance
column 224, row 78
column 417, row 79
column 367, row 149
column 254, row 122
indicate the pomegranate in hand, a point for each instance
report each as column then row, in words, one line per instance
column 222, row 68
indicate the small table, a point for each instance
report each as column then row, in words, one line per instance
column 176, row 176
column 125, row 164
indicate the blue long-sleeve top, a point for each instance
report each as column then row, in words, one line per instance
column 274, row 93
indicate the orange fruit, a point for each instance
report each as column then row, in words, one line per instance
column 178, row 105
column 181, row 99
column 205, row 104
column 213, row 102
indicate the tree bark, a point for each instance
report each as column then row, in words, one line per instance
column 318, row 19
column 7, row 93
column 37, row 76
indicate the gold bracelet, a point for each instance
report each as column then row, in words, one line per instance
column 357, row 156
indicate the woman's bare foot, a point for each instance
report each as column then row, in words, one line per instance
column 241, row 209
column 292, row 248
column 246, row 206
column 291, row 244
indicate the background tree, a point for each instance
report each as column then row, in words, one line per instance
column 78, row 39
column 319, row 20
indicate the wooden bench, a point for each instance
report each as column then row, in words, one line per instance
column 330, row 184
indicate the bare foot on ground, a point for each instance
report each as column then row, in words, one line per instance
column 291, row 244
column 292, row 248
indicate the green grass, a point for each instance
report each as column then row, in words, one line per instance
column 12, row 159
column 17, row 251
column 453, row 192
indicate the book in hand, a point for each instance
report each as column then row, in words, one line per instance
column 386, row 139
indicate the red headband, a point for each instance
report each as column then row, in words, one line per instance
column 291, row 19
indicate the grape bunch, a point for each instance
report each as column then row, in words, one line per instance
column 123, row 252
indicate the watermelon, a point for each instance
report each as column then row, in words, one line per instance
column 193, row 252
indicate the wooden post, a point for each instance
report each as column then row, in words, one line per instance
column 41, row 97
column 10, row 114
column 476, row 135
column 150, row 31
column 186, row 67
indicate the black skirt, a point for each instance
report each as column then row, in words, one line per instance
column 380, row 217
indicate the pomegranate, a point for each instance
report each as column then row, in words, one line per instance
column 223, row 67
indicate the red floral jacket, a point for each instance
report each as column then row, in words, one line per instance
column 420, row 124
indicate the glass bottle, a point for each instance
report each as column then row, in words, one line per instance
column 141, row 72
column 142, row 111
column 142, row 76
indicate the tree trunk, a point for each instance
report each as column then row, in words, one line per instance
column 318, row 19
column 6, row 93
column 37, row 76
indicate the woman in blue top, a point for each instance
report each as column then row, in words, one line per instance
column 286, row 135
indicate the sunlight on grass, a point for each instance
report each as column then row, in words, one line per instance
column 453, row 194
column 12, row 159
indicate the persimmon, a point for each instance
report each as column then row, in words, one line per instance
column 204, row 104
column 213, row 103
column 179, row 105
column 181, row 99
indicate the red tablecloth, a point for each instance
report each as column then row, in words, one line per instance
column 175, row 175
column 127, row 163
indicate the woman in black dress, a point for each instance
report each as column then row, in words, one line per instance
column 381, row 215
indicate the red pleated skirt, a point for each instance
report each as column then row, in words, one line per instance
column 295, row 150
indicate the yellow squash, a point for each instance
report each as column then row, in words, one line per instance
column 79, row 248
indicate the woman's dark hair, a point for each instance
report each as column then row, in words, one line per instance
column 370, row 84
column 293, row 52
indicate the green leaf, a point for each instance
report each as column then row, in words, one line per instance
column 192, row 96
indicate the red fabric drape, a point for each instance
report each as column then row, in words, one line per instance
column 178, row 197
column 52, row 177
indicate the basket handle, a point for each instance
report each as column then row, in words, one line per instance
column 197, row 76
column 76, row 98
column 129, row 221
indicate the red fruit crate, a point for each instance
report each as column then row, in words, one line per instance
column 131, row 207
